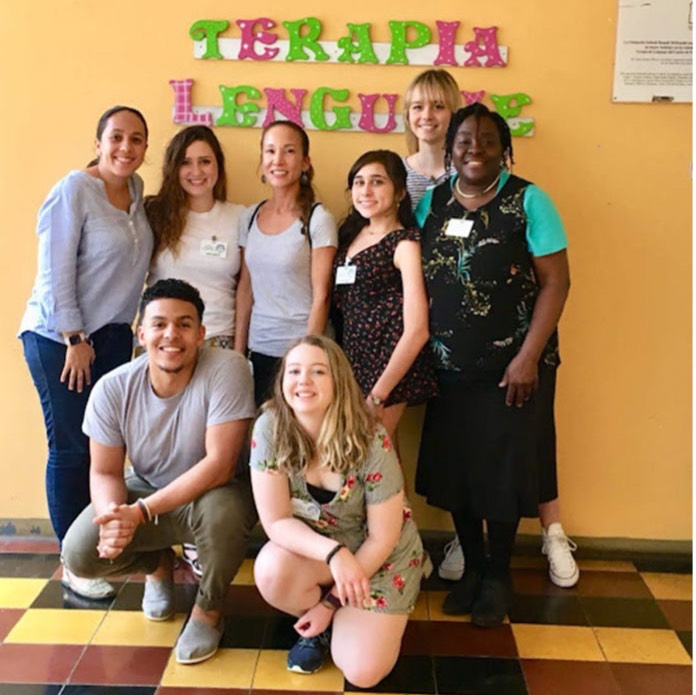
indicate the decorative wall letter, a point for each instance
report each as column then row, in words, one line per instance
column 367, row 117
column 182, row 104
column 362, row 44
column 298, row 42
column 473, row 97
column 275, row 99
column 316, row 109
column 230, row 107
column 209, row 29
column 510, row 106
column 246, row 50
column 484, row 45
column 399, row 44
column 446, row 32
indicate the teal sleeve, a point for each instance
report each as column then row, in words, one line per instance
column 545, row 233
column 423, row 207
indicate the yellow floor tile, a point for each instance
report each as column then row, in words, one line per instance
column 420, row 611
column 669, row 586
column 245, row 575
column 606, row 566
column 641, row 646
column 557, row 642
column 56, row 626
column 229, row 668
column 19, row 593
column 272, row 674
column 133, row 629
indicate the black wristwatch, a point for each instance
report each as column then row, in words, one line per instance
column 75, row 339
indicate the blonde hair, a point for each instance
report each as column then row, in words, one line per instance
column 347, row 430
column 434, row 85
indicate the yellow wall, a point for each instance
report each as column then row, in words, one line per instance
column 620, row 174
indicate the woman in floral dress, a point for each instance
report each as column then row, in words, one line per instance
column 344, row 554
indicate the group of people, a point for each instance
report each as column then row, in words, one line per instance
column 444, row 283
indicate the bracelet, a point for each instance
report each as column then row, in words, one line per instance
column 330, row 556
column 144, row 509
column 328, row 600
column 140, row 511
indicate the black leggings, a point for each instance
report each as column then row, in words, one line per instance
column 501, row 540
column 265, row 370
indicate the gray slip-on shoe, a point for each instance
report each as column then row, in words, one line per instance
column 198, row 641
column 158, row 599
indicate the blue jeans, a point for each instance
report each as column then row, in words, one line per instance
column 67, row 470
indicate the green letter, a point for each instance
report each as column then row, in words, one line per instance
column 230, row 107
column 362, row 44
column 316, row 109
column 298, row 42
column 208, row 29
column 400, row 44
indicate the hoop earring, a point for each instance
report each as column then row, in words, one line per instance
column 304, row 179
column 263, row 178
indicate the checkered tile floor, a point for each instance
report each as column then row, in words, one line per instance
column 624, row 630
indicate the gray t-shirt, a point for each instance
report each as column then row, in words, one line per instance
column 165, row 437
column 280, row 269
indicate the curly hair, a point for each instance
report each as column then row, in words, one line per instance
column 347, row 430
column 167, row 210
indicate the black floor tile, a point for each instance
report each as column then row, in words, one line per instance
column 280, row 633
column 55, row 595
column 678, row 564
column 411, row 674
column 243, row 632
column 130, row 597
column 603, row 611
column 686, row 637
column 478, row 676
column 28, row 565
column 547, row 610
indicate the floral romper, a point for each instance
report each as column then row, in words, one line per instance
column 395, row 586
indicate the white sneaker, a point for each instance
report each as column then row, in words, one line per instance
column 558, row 548
column 452, row 566
column 94, row 589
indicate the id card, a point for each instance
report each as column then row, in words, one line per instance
column 216, row 249
column 460, row 228
column 305, row 509
column 345, row 274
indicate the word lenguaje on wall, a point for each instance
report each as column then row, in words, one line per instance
column 411, row 44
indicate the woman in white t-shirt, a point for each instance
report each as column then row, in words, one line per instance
column 288, row 246
column 196, row 237
column 196, row 229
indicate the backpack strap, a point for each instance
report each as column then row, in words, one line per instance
column 306, row 226
column 253, row 214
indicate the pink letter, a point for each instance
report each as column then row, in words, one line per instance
column 275, row 99
column 473, row 97
column 246, row 49
column 367, row 115
column 182, row 104
column 446, row 32
column 485, row 44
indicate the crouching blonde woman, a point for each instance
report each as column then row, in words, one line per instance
column 344, row 554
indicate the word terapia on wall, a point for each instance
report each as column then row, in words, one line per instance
column 326, row 108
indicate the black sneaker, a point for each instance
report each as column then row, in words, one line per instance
column 460, row 600
column 491, row 606
column 309, row 653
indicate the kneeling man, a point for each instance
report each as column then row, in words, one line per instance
column 181, row 413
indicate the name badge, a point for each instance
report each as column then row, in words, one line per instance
column 305, row 509
column 216, row 249
column 345, row 274
column 460, row 228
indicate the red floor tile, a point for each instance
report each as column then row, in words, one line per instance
column 464, row 639
column 652, row 679
column 679, row 614
column 218, row 691
column 620, row 584
column 37, row 663
column 546, row 677
column 121, row 665
column 8, row 618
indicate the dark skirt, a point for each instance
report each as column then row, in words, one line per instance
column 482, row 457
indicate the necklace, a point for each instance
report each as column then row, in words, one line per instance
column 476, row 195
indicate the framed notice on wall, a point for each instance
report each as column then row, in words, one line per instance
column 654, row 51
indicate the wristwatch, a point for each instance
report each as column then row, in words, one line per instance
column 75, row 338
column 376, row 400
